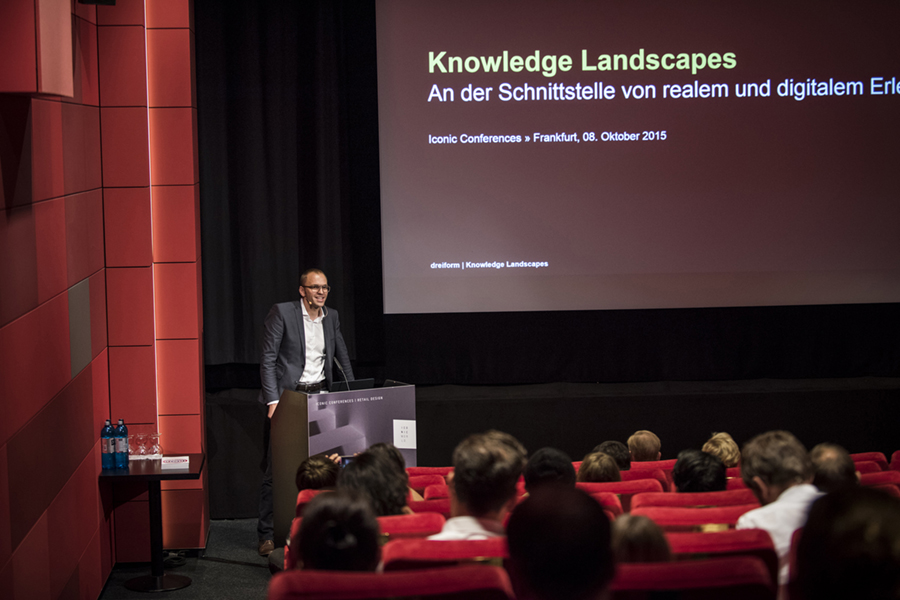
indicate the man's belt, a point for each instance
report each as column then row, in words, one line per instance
column 310, row 388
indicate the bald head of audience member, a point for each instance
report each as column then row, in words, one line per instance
column 486, row 468
column 723, row 445
column 559, row 546
column 618, row 451
column 698, row 471
column 548, row 466
column 636, row 538
column 833, row 468
column 850, row 547
column 598, row 467
column 773, row 462
column 644, row 445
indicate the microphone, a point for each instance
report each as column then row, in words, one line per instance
column 338, row 363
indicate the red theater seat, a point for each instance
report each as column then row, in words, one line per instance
column 657, row 474
column 442, row 471
column 479, row 582
column 867, row 466
column 877, row 457
column 890, row 490
column 610, row 502
column 735, row 484
column 720, row 544
column 420, row 482
column 743, row 578
column 695, row 500
column 401, row 555
column 895, row 461
column 665, row 466
column 623, row 489
column 303, row 498
column 433, row 492
column 438, row 505
column 417, row 525
column 694, row 519
column 882, row 478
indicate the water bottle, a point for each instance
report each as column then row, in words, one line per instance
column 108, row 446
column 121, row 445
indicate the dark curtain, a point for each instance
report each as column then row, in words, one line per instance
column 288, row 138
column 288, row 165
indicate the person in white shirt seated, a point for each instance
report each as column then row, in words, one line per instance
column 777, row 467
column 486, row 467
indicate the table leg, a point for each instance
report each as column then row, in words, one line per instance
column 158, row 580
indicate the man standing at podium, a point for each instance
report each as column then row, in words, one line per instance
column 302, row 342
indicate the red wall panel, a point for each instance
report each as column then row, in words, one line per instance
column 132, row 384
column 100, row 388
column 173, row 146
column 127, row 218
column 18, row 263
column 54, row 47
column 50, row 239
column 30, row 574
column 98, row 312
column 65, row 148
column 84, row 235
column 85, row 11
column 184, row 514
column 126, row 150
column 34, row 352
column 18, row 39
column 178, row 365
column 129, row 294
column 170, row 68
column 5, row 532
column 176, row 300
column 170, row 13
column 176, row 221
column 47, row 150
column 125, row 12
column 90, row 575
column 132, row 532
column 123, row 66
column 85, row 77
column 180, row 434
column 71, row 523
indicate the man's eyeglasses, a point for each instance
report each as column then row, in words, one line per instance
column 318, row 288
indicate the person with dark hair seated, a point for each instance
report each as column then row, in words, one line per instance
column 598, row 467
column 833, row 468
column 698, row 471
column 317, row 472
column 618, row 451
column 548, row 465
column 375, row 479
column 636, row 538
column 559, row 546
column 338, row 533
column 850, row 547
column 392, row 454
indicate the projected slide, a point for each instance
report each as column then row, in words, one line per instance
column 574, row 155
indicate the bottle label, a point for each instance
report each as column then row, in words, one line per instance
column 108, row 445
column 122, row 445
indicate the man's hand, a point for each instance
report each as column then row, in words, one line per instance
column 272, row 409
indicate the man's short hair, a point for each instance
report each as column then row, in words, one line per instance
column 375, row 479
column 559, row 545
column 338, row 533
column 833, row 467
column 850, row 546
column 723, row 445
column 486, row 468
column 698, row 471
column 777, row 458
column 309, row 272
column 618, row 451
column 548, row 465
column 598, row 467
column 317, row 472
column 644, row 445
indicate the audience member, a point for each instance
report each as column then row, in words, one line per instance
column 338, row 533
column 833, row 468
column 698, row 471
column 317, row 472
column 850, row 547
column 486, row 468
column 618, row 451
column 598, row 467
column 636, row 538
column 548, row 465
column 644, row 445
column 776, row 466
column 375, row 479
column 723, row 445
column 392, row 454
column 559, row 546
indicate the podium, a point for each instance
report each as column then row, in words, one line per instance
column 342, row 423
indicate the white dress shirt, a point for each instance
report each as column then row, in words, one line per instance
column 469, row 528
column 314, row 367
